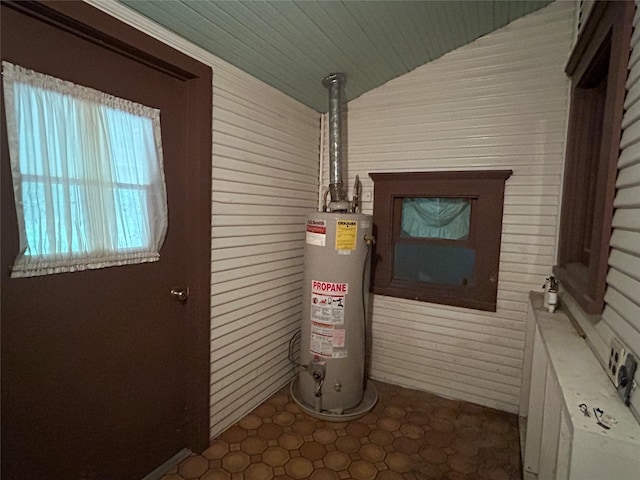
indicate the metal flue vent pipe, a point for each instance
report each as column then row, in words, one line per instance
column 335, row 82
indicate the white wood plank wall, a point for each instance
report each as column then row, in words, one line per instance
column 586, row 7
column 621, row 316
column 498, row 103
column 265, row 180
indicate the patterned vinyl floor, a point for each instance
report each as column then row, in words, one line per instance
column 409, row 435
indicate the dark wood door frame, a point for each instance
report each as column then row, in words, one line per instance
column 91, row 24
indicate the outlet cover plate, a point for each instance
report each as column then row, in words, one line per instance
column 616, row 359
column 621, row 369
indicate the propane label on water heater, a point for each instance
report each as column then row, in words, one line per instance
column 327, row 312
column 346, row 234
column 316, row 232
column 328, row 301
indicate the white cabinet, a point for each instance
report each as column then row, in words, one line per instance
column 561, row 442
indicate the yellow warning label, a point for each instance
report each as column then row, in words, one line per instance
column 346, row 235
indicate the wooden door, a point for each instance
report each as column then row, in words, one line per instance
column 104, row 375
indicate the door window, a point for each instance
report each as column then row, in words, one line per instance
column 87, row 175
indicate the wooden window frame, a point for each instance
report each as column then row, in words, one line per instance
column 485, row 189
column 593, row 148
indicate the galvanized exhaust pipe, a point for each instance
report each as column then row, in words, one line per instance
column 335, row 83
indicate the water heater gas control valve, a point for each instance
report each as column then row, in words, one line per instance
column 318, row 368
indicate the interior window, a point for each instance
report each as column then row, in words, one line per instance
column 598, row 71
column 433, row 243
column 438, row 236
column 87, row 175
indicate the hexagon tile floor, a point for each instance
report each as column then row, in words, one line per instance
column 408, row 435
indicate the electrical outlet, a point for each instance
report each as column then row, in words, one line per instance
column 622, row 366
column 616, row 355
column 366, row 196
column 625, row 377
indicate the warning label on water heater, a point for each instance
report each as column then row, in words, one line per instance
column 346, row 234
column 328, row 341
column 316, row 232
column 327, row 313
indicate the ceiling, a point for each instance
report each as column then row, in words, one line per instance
column 293, row 45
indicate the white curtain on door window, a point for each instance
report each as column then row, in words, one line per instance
column 87, row 175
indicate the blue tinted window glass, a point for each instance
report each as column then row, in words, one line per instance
column 440, row 264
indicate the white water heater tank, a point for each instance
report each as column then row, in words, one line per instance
column 335, row 290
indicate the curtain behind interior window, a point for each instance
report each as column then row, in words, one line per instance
column 87, row 175
column 436, row 217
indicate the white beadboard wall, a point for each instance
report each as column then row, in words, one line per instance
column 498, row 103
column 622, row 311
column 584, row 11
column 621, row 315
column 265, row 180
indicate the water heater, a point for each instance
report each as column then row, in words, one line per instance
column 331, row 383
column 335, row 290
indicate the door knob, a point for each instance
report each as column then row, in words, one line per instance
column 180, row 294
